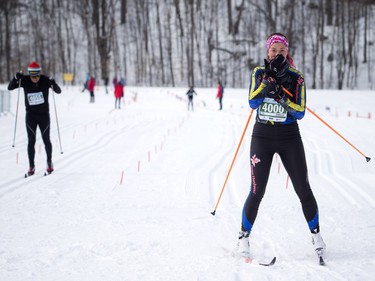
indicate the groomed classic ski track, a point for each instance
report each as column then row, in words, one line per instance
column 197, row 180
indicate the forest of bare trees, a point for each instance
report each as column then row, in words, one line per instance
column 188, row 42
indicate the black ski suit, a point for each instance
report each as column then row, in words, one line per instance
column 276, row 131
column 190, row 95
column 37, row 111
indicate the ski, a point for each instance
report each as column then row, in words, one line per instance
column 321, row 259
column 30, row 172
column 250, row 260
column 272, row 262
column 246, row 259
column 27, row 175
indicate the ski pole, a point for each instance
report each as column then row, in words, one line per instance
column 325, row 123
column 15, row 123
column 234, row 158
column 57, row 120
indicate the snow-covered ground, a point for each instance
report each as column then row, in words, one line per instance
column 133, row 191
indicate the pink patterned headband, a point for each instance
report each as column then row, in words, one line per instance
column 276, row 38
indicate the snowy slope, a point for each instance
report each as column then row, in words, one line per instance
column 133, row 190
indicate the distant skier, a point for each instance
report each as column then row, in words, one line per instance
column 220, row 94
column 190, row 93
column 36, row 88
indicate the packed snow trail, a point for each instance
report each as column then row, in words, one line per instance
column 82, row 223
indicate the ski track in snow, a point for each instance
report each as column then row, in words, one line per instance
column 82, row 223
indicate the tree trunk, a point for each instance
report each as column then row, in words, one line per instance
column 160, row 39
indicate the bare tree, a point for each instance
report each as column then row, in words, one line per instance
column 5, row 42
column 174, row 42
column 341, row 58
column 170, row 49
column 102, row 20
column 189, row 7
column 160, row 40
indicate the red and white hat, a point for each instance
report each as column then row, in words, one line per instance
column 34, row 69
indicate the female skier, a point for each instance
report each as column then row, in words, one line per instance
column 276, row 131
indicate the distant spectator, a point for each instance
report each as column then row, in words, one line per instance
column 106, row 81
column 119, row 93
column 123, row 81
column 90, row 88
column 114, row 81
column 86, row 82
column 220, row 94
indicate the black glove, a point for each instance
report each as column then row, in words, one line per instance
column 272, row 89
column 52, row 81
column 267, row 69
column 19, row 75
column 277, row 67
column 281, row 98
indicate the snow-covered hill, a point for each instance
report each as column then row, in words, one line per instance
column 133, row 191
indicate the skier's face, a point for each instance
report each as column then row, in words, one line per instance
column 35, row 79
column 275, row 49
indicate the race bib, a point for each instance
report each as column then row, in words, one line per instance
column 270, row 110
column 35, row 98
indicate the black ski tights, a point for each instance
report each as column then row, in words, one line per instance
column 43, row 121
column 284, row 140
